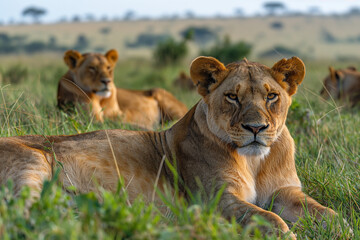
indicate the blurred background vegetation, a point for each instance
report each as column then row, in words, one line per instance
column 153, row 51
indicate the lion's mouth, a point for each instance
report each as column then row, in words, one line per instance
column 254, row 148
column 254, row 144
column 105, row 93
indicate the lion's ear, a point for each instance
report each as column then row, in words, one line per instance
column 289, row 73
column 207, row 73
column 112, row 56
column 71, row 58
column 352, row 68
column 335, row 75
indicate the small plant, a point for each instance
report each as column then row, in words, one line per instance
column 228, row 52
column 171, row 51
column 15, row 74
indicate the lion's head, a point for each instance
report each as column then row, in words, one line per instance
column 92, row 72
column 337, row 81
column 246, row 102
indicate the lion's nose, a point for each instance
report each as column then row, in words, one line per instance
column 105, row 81
column 255, row 129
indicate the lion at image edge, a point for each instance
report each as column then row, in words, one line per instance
column 90, row 82
column 343, row 85
column 235, row 136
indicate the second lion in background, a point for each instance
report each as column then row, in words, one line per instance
column 90, row 82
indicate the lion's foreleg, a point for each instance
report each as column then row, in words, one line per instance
column 233, row 206
column 290, row 203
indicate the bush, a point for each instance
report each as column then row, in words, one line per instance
column 147, row 40
column 11, row 44
column 201, row 35
column 277, row 25
column 228, row 52
column 328, row 37
column 277, row 51
column 15, row 74
column 105, row 30
column 36, row 46
column 170, row 51
column 82, row 42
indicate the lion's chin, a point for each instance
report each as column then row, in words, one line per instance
column 104, row 93
column 254, row 150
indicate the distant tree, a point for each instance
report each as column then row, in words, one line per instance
column 105, row 30
column 239, row 12
column 34, row 12
column 62, row 19
column 36, row 46
column 354, row 11
column 104, row 18
column 90, row 17
column 273, row 7
column 82, row 42
column 276, row 25
column 52, row 42
column 189, row 14
column 129, row 15
column 76, row 18
column 314, row 11
column 328, row 36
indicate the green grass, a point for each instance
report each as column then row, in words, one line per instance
column 326, row 134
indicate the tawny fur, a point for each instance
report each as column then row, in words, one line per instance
column 184, row 81
column 89, row 82
column 212, row 143
column 342, row 84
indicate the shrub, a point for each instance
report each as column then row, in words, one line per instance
column 11, row 44
column 105, row 30
column 82, row 42
column 277, row 25
column 170, row 51
column 35, row 46
column 328, row 36
column 15, row 74
column 147, row 40
column 227, row 52
column 201, row 35
column 278, row 51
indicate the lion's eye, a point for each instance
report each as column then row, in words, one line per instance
column 271, row 96
column 92, row 69
column 231, row 96
column 109, row 68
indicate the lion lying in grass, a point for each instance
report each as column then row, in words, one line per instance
column 342, row 84
column 235, row 136
column 89, row 81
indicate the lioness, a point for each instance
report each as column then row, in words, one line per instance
column 342, row 84
column 89, row 80
column 184, row 81
column 234, row 136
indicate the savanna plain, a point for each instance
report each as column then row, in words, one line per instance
column 326, row 134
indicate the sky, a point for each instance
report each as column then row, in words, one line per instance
column 10, row 10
